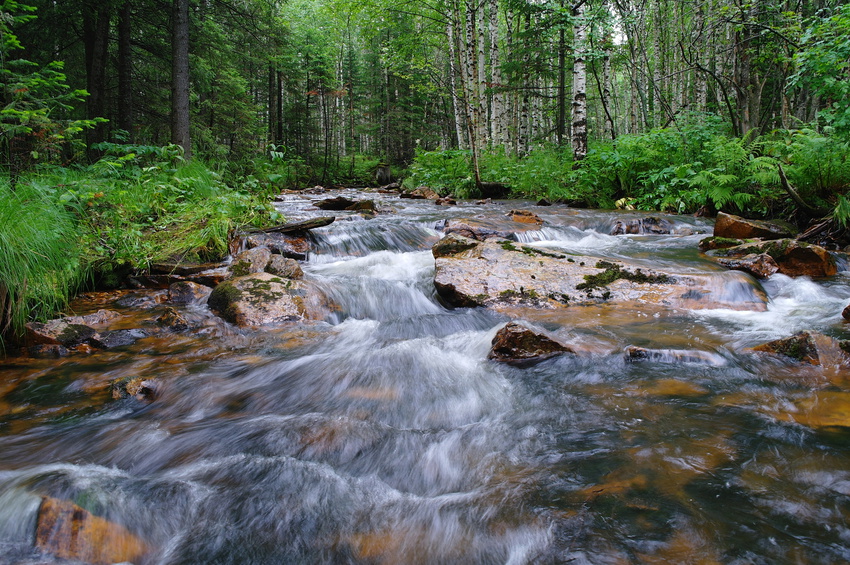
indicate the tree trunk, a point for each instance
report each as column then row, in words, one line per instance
column 497, row 114
column 458, row 104
column 180, row 76
column 579, row 133
column 125, row 70
column 96, row 42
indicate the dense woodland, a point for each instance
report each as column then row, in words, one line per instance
column 149, row 128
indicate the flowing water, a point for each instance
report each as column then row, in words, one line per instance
column 384, row 435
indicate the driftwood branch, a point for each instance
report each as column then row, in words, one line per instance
column 296, row 226
column 815, row 212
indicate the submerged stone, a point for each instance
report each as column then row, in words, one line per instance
column 71, row 532
column 648, row 225
column 187, row 292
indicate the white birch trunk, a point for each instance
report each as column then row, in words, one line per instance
column 497, row 114
column 579, row 121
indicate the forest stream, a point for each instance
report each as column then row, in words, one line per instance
column 383, row 434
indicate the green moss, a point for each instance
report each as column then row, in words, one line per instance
column 222, row 298
column 530, row 251
column 613, row 272
column 240, row 268
column 508, row 246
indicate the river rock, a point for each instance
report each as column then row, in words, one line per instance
column 518, row 345
column 343, row 203
column 173, row 320
column 187, row 292
column 760, row 265
column 426, row 192
column 48, row 351
column 250, row 261
column 635, row 353
column 445, row 201
column 525, row 217
column 846, row 313
column 648, row 225
column 728, row 225
column 294, row 246
column 793, row 258
column 809, row 347
column 70, row 532
column 59, row 331
column 709, row 243
column 117, row 338
column 284, row 267
column 501, row 273
column 139, row 388
column 98, row 318
column 260, row 299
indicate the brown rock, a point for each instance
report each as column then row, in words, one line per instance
column 759, row 265
column 187, row 292
column 336, row 203
column 793, row 258
column 525, row 217
column 48, row 351
column 808, row 347
column 728, row 225
column 634, row 353
column 518, row 345
column 445, row 201
column 846, row 313
column 298, row 227
column 260, row 299
column 250, row 261
column 71, row 532
column 58, row 331
column 173, row 320
column 117, row 338
column 285, row 267
column 138, row 387
column 426, row 192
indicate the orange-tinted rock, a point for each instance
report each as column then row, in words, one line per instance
column 518, row 345
column 58, row 332
column 709, row 243
column 187, row 292
column 846, row 313
column 294, row 246
column 525, row 217
column 172, row 320
column 728, row 225
column 71, row 532
column 793, row 258
column 808, row 347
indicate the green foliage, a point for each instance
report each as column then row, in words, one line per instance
column 447, row 172
column 40, row 258
column 29, row 129
column 823, row 65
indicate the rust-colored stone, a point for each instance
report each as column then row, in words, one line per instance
column 71, row 532
column 516, row 344
column 728, row 225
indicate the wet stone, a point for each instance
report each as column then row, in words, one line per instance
column 808, row 347
column 525, row 217
column 288, row 245
column 71, row 532
column 172, row 320
column 58, row 331
column 140, row 388
column 518, row 345
column 760, row 265
column 284, row 267
column 250, row 261
column 731, row 226
column 117, row 338
column 187, row 292
column 648, row 225
column 48, row 351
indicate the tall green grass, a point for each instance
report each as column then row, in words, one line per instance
column 40, row 255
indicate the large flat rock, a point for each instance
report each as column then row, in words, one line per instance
column 502, row 274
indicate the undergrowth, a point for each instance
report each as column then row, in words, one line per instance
column 64, row 228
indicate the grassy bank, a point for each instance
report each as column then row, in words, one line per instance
column 63, row 229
